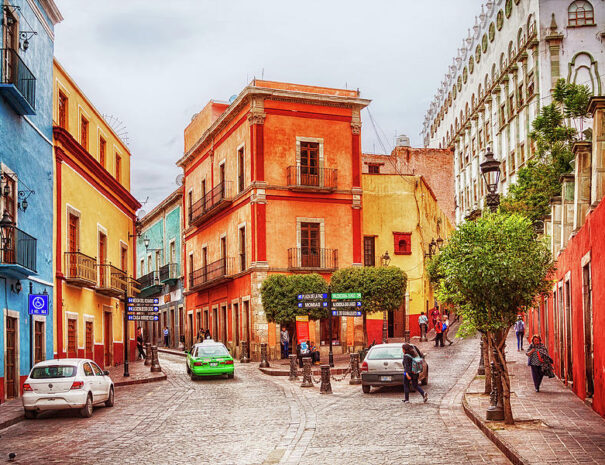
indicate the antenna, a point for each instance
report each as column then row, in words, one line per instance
column 179, row 179
column 262, row 73
column 118, row 127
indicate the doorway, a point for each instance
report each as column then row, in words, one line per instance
column 246, row 319
column 588, row 330
column 224, row 324
column 568, row 335
column 190, row 321
column 10, row 364
column 107, row 338
column 38, row 341
column 181, row 325
column 215, row 323
column 325, row 330
column 235, row 316
column 89, row 340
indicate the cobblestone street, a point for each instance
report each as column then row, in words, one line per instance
column 258, row 419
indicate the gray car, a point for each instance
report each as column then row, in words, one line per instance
column 383, row 366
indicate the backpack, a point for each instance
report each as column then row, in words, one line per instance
column 417, row 364
column 520, row 327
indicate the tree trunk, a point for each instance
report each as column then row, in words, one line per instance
column 486, row 360
column 365, row 332
column 499, row 341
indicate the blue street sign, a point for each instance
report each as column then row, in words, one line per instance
column 143, row 301
column 311, row 296
column 38, row 304
column 312, row 304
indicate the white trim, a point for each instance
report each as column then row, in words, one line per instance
column 71, row 210
column 31, row 123
column 41, row 19
column 70, row 316
column 40, row 281
column 101, row 228
column 586, row 259
column 39, row 319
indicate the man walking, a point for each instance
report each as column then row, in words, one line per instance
column 446, row 329
column 520, row 332
column 166, row 336
column 439, row 334
column 412, row 367
column 285, row 342
column 435, row 315
column 423, row 322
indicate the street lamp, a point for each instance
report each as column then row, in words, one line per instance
column 385, row 259
column 490, row 169
column 7, row 228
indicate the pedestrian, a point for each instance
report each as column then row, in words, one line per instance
column 446, row 329
column 140, row 343
column 412, row 367
column 439, row 334
column 285, row 342
column 207, row 334
column 423, row 322
column 166, row 336
column 313, row 352
column 539, row 361
column 520, row 332
column 435, row 315
column 200, row 335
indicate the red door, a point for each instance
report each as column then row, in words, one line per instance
column 89, row 340
column 309, row 242
column 102, row 255
column 10, row 369
column 108, row 337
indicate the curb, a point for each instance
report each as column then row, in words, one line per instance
column 274, row 372
column 508, row 450
column 131, row 382
column 172, row 352
column 11, row 422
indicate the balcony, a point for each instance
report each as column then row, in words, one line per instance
column 211, row 203
column 113, row 282
column 134, row 287
column 309, row 259
column 314, row 179
column 169, row 273
column 212, row 274
column 150, row 283
column 17, row 82
column 18, row 257
column 80, row 269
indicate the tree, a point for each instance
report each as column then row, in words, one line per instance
column 382, row 288
column 491, row 269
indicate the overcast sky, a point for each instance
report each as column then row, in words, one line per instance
column 152, row 64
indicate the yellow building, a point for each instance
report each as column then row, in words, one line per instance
column 94, row 229
column 401, row 218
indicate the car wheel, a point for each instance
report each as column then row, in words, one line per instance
column 30, row 414
column 110, row 399
column 188, row 370
column 230, row 375
column 193, row 377
column 86, row 411
column 366, row 388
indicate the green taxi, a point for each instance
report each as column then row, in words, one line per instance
column 209, row 358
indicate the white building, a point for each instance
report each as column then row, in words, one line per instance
column 503, row 74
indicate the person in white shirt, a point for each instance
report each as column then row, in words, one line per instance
column 423, row 322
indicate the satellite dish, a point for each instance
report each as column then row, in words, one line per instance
column 232, row 98
column 179, row 179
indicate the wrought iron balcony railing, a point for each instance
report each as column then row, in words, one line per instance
column 80, row 269
column 169, row 272
column 112, row 280
column 212, row 273
column 303, row 258
column 19, row 251
column 210, row 203
column 311, row 178
column 149, row 280
column 17, row 82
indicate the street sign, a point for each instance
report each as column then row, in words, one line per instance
column 346, row 295
column 346, row 312
column 312, row 304
column 143, row 301
column 312, row 296
column 142, row 308
column 143, row 318
column 347, row 303
column 38, row 304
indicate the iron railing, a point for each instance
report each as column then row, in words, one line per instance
column 214, row 271
column 150, row 279
column 311, row 258
column 219, row 195
column 19, row 249
column 134, row 287
column 80, row 267
column 312, row 176
column 14, row 71
column 168, row 272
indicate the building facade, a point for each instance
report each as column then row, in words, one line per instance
column 159, row 253
column 26, row 186
column 404, row 224
column 503, row 74
column 94, row 229
column 272, row 185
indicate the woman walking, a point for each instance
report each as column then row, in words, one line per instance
column 410, row 375
column 539, row 361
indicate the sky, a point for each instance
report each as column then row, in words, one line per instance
column 153, row 64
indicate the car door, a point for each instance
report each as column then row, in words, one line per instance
column 90, row 381
column 104, row 382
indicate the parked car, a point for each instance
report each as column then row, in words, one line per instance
column 383, row 366
column 209, row 358
column 70, row 383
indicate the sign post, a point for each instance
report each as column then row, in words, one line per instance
column 330, row 354
column 126, row 341
column 38, row 305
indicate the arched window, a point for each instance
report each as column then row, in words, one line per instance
column 520, row 39
column 580, row 13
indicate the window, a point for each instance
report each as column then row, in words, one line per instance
column 71, row 338
column 369, row 251
column 521, row 155
column 309, row 163
column 580, row 13
column 240, row 169
column 190, row 201
column 124, row 259
column 474, row 191
column 204, row 257
column 511, row 105
column 480, row 139
column 118, row 168
column 403, row 243
column 473, row 147
column 172, row 252
column 242, row 248
column 88, row 370
column 374, row 169
column 466, row 154
column 63, row 103
column 84, row 132
column 520, row 99
column 102, row 148
column 158, row 262
column 142, row 271
column 310, row 245
column 39, row 341
column 503, row 174
column 513, row 162
column 102, row 259
column 191, row 270
column 73, row 233
column 530, row 89
column 503, row 114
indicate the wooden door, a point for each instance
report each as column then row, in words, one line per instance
column 309, row 245
column 568, row 336
column 190, row 318
column 221, row 181
column 38, row 341
column 236, row 324
column 215, row 323
column 10, row 251
column 224, row 325
column 10, row 364
column 181, row 325
column 246, row 313
column 72, row 349
column 89, row 341
column 309, row 163
column 108, row 338
column 588, row 330
column 11, row 42
column 72, row 244
column 103, row 275
column 224, row 254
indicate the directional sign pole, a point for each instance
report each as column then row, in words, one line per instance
column 330, row 354
column 126, row 341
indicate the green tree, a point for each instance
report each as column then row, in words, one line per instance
column 382, row 288
column 492, row 269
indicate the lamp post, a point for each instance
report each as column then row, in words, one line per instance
column 7, row 229
column 384, row 261
column 490, row 170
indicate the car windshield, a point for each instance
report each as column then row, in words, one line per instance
column 212, row 351
column 53, row 371
column 386, row 353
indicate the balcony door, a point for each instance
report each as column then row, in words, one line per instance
column 309, row 163
column 10, row 206
column 72, row 244
column 10, row 359
column 310, row 245
column 221, row 180
column 102, row 258
column 11, row 43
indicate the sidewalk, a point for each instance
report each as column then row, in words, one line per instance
column 551, row 426
column 281, row 367
column 11, row 412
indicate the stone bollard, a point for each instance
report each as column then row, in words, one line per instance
column 307, row 380
column 245, row 358
column 481, row 369
column 293, row 368
column 355, row 377
column 263, row 356
column 326, row 386
column 155, row 362
column 147, row 354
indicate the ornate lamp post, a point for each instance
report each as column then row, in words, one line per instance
column 490, row 169
column 7, row 235
column 384, row 261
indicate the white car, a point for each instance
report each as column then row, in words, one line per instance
column 69, row 383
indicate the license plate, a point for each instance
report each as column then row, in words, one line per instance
column 213, row 364
column 386, row 378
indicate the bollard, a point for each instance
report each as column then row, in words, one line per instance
column 293, row 369
column 326, row 386
column 263, row 356
column 155, row 362
column 481, row 369
column 494, row 412
column 307, row 380
column 147, row 354
column 355, row 377
column 245, row 358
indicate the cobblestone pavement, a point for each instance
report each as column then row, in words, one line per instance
column 258, row 419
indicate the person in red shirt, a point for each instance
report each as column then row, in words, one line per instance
column 435, row 315
column 439, row 334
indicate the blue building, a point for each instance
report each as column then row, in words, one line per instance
column 26, row 187
column 159, row 269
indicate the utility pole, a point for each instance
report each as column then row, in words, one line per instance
column 330, row 354
column 126, row 341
